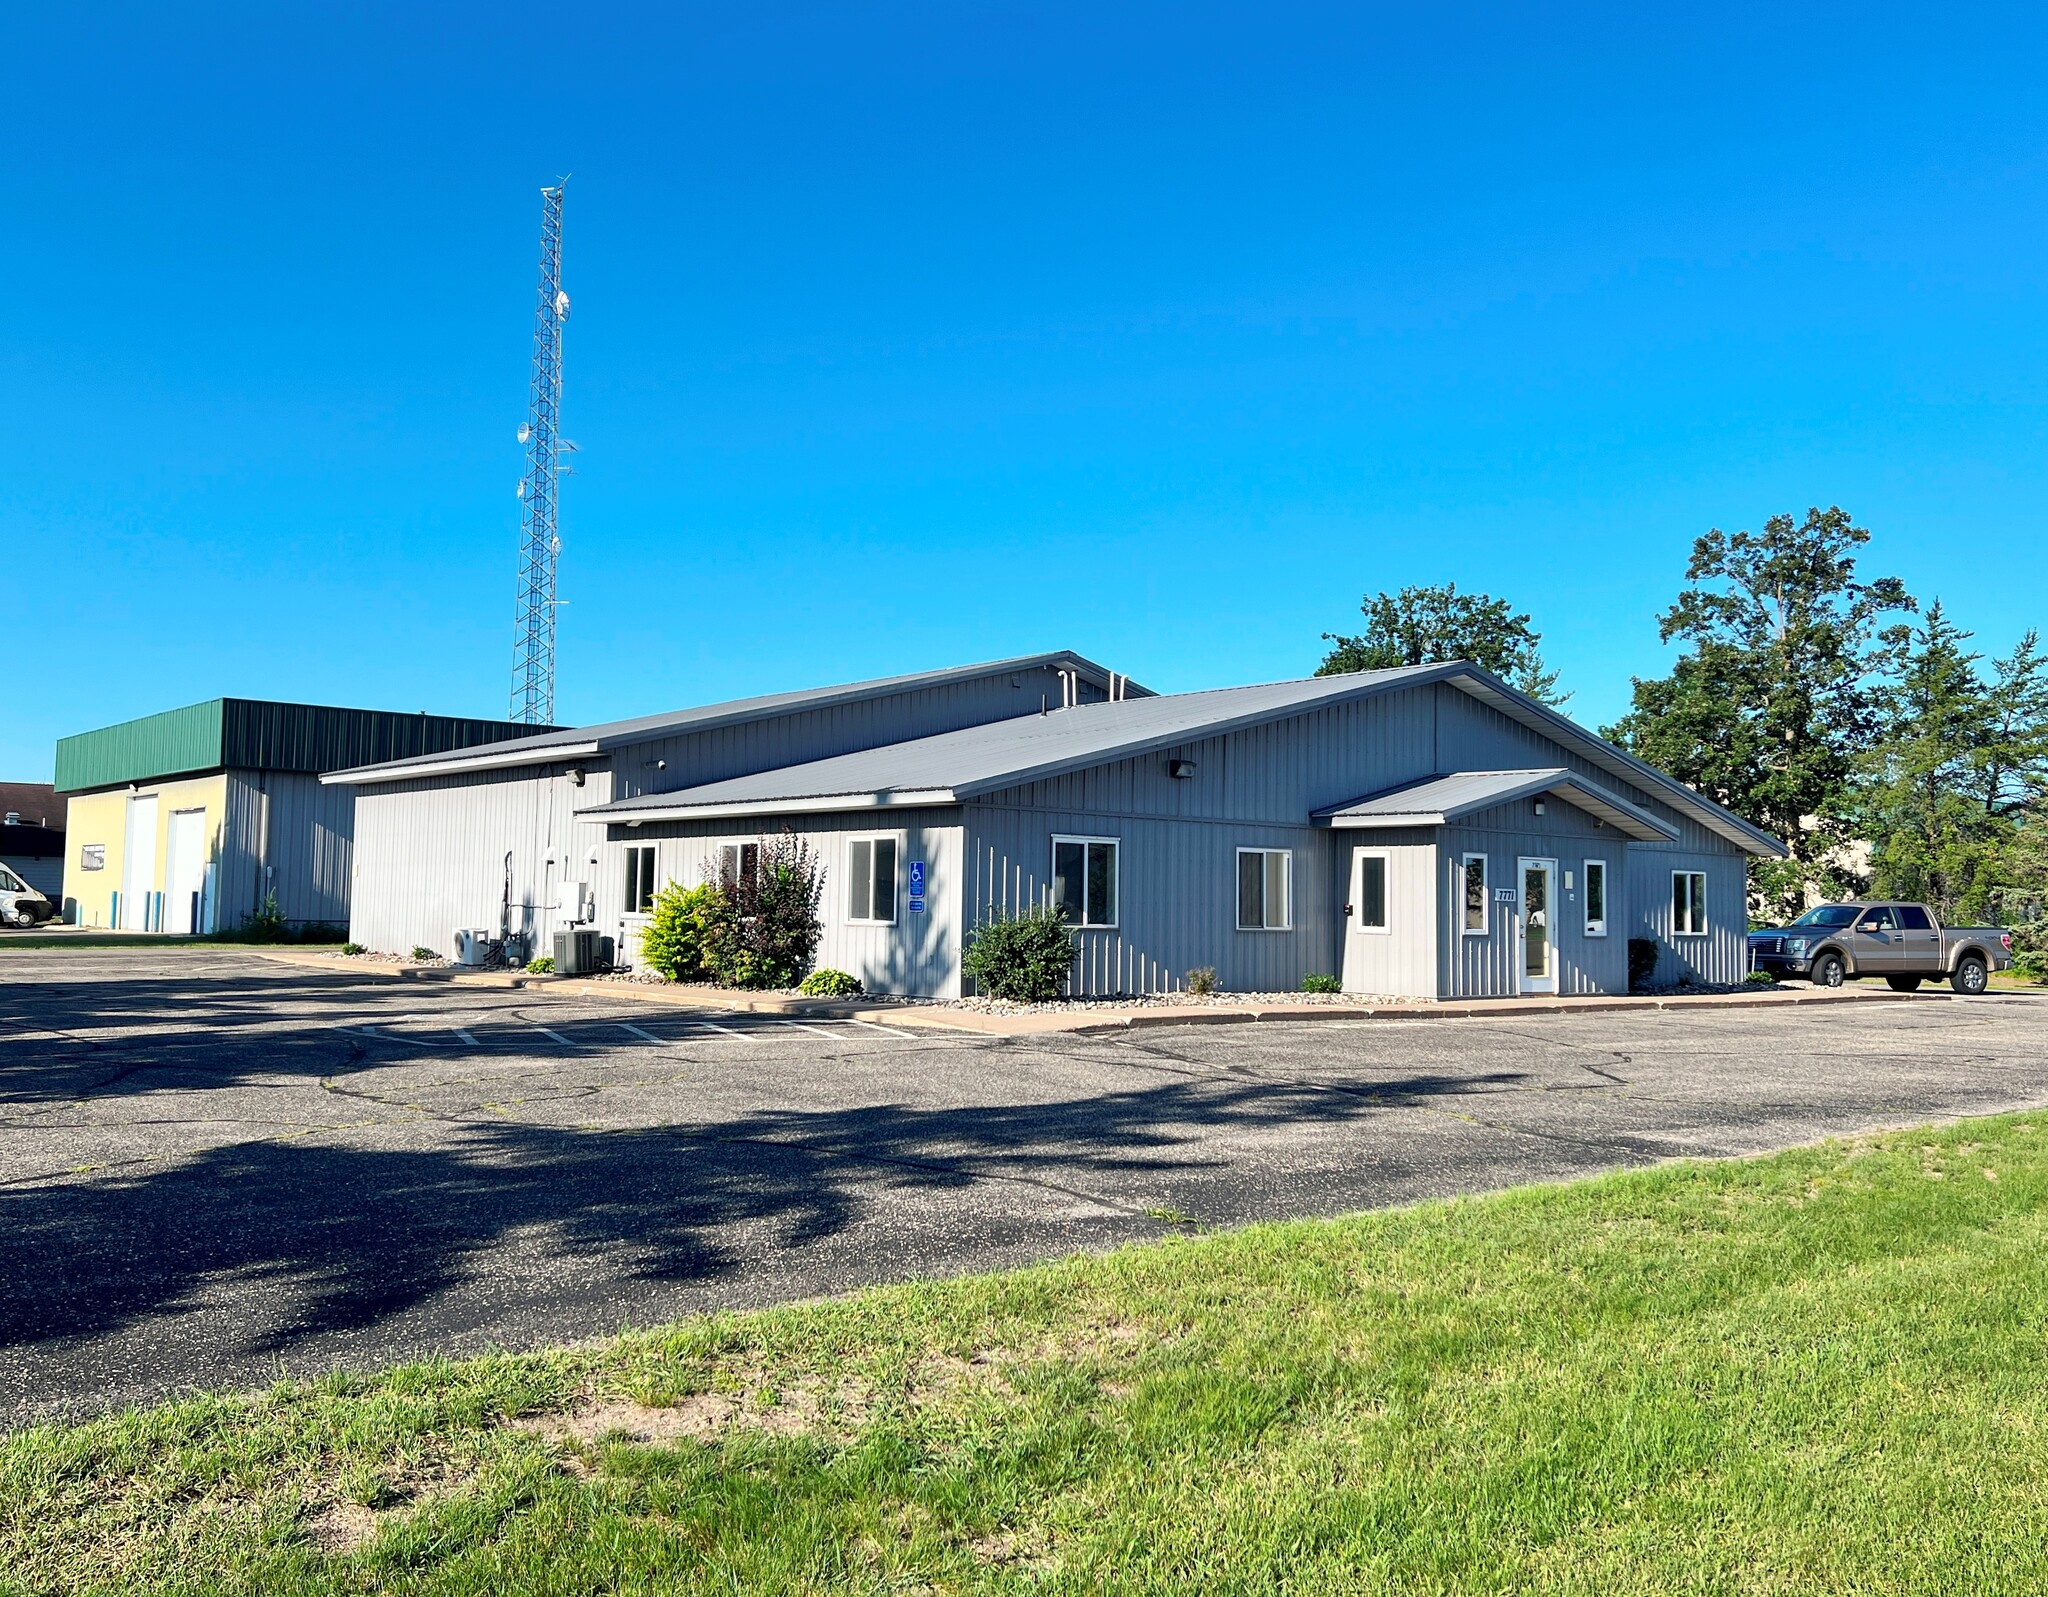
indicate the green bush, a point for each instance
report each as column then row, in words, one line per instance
column 829, row 983
column 353, row 948
column 1317, row 981
column 1024, row 958
column 1761, row 978
column 1202, row 980
column 1642, row 962
column 266, row 925
column 673, row 943
column 421, row 952
column 543, row 966
column 765, row 927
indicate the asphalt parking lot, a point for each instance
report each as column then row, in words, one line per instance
column 215, row 1169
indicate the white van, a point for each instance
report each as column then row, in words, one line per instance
column 21, row 904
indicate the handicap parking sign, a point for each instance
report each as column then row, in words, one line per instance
column 917, row 887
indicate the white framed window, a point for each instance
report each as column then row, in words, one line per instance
column 1596, row 898
column 737, row 862
column 1369, row 893
column 871, row 880
column 639, row 894
column 1265, row 890
column 1084, row 879
column 1688, row 903
column 1475, row 896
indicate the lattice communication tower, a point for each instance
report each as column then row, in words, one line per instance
column 533, row 657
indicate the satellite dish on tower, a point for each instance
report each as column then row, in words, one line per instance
column 525, row 431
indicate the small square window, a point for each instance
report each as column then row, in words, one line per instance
column 737, row 863
column 1084, row 879
column 871, row 880
column 1265, row 881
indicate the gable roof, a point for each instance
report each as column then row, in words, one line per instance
column 579, row 741
column 956, row 766
column 1438, row 800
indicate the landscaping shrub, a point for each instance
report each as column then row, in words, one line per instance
column 1024, row 958
column 673, row 943
column 1202, row 980
column 1642, row 962
column 266, row 925
column 765, row 927
column 420, row 952
column 543, row 966
column 829, row 983
column 353, row 949
column 1317, row 981
column 1761, row 978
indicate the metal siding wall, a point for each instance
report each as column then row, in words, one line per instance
column 1402, row 962
column 1177, row 896
column 918, row 956
column 1723, row 954
column 430, row 856
column 262, row 736
column 165, row 744
column 695, row 758
column 1487, row 967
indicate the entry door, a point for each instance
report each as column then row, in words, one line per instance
column 1535, row 941
column 184, row 870
column 138, row 863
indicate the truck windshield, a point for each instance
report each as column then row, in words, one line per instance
column 1828, row 915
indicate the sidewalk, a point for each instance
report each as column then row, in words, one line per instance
column 1035, row 1023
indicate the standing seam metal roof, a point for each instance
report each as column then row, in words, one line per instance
column 613, row 734
column 1440, row 799
column 954, row 766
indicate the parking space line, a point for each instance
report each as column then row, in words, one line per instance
column 888, row 1031
column 465, row 1036
column 555, row 1036
column 712, row 1025
column 637, row 1032
column 812, row 1025
column 388, row 1036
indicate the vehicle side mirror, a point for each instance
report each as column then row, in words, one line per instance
column 1869, row 926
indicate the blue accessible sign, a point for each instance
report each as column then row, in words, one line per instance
column 917, row 887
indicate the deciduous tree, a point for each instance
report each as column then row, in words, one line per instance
column 1428, row 626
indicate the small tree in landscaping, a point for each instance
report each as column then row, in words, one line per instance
column 764, row 929
column 673, row 942
column 1024, row 958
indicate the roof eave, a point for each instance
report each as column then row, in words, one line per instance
column 399, row 771
column 735, row 809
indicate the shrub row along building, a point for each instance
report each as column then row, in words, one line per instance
column 1427, row 831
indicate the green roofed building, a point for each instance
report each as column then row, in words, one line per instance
column 194, row 819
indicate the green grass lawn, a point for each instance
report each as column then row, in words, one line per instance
column 1824, row 1371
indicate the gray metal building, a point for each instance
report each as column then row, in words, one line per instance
column 498, row 839
column 1427, row 831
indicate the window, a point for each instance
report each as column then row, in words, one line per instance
column 1596, row 898
column 1878, row 919
column 1914, row 919
column 1084, row 879
column 1371, row 903
column 738, row 862
column 1265, row 900
column 1475, row 895
column 639, row 897
column 1689, row 903
column 10, row 883
column 871, row 880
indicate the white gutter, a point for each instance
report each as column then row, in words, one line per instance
column 815, row 804
column 370, row 775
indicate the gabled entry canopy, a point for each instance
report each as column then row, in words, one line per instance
column 1439, row 800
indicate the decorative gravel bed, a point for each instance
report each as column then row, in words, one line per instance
column 1001, row 1006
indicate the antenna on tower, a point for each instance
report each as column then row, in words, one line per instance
column 540, row 545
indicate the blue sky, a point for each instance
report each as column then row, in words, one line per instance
column 905, row 335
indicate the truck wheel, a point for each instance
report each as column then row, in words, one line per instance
column 1904, row 984
column 1829, row 971
column 1970, row 976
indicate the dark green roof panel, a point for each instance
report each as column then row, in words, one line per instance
column 254, row 735
column 164, row 744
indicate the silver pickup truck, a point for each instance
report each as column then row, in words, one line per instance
column 1903, row 943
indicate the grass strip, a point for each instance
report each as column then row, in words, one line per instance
column 1826, row 1371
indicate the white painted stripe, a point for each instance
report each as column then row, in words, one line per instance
column 555, row 1035
column 637, row 1032
column 812, row 1025
column 465, row 1036
column 379, row 1036
column 890, row 1031
column 712, row 1025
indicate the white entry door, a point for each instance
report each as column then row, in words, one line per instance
column 1535, row 939
column 138, row 863
column 185, row 871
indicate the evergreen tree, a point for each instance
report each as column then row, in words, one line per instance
column 1772, row 708
column 1428, row 626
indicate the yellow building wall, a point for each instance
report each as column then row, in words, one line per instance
column 102, row 819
